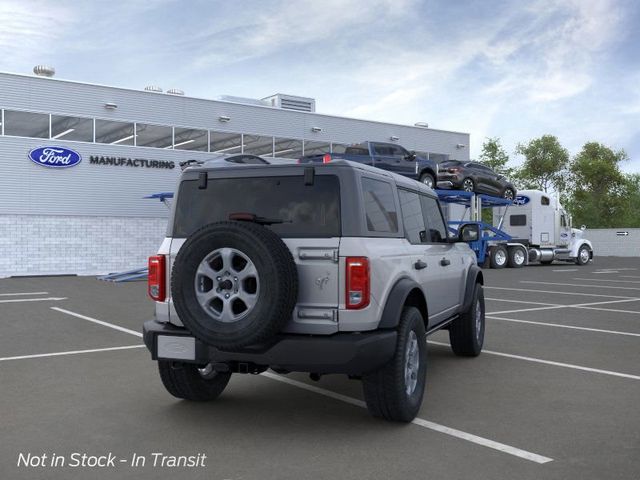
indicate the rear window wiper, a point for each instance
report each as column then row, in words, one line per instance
column 252, row 217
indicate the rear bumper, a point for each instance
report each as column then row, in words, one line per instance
column 349, row 353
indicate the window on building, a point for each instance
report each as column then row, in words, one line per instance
column 157, row 136
column 115, row 133
column 71, row 128
column 226, row 143
column 26, row 124
column 316, row 148
column 379, row 205
column 433, row 220
column 258, row 145
column 438, row 157
column 191, row 139
column 412, row 218
column 338, row 148
column 287, row 148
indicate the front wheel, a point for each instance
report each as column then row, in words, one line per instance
column 508, row 193
column 466, row 333
column 190, row 382
column 468, row 185
column 584, row 255
column 428, row 180
column 395, row 391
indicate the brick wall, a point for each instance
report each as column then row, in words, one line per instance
column 83, row 245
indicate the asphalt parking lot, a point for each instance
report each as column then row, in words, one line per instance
column 555, row 394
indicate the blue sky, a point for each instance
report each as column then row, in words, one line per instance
column 511, row 69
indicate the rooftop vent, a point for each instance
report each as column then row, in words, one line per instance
column 44, row 71
column 153, row 88
column 291, row 102
column 175, row 91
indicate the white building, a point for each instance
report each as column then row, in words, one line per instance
column 91, row 218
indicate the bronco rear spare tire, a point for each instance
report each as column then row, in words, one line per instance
column 234, row 284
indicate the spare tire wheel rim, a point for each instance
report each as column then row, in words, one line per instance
column 227, row 285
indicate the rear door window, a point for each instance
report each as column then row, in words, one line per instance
column 303, row 210
column 380, row 206
column 436, row 228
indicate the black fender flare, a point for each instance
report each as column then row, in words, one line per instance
column 430, row 171
column 474, row 275
column 397, row 300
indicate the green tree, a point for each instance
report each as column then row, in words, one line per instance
column 495, row 157
column 545, row 164
column 599, row 192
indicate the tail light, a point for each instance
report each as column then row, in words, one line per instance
column 358, row 285
column 326, row 158
column 156, row 278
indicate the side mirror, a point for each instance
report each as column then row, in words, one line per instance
column 411, row 156
column 583, row 227
column 469, row 232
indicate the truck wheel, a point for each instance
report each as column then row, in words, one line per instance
column 186, row 380
column 428, row 180
column 234, row 284
column 468, row 185
column 466, row 333
column 498, row 255
column 584, row 255
column 517, row 257
column 395, row 391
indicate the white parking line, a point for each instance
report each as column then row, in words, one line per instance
column 629, row 276
column 72, row 352
column 485, row 442
column 20, row 300
column 99, row 322
column 577, row 305
column 566, row 270
column 23, row 293
column 572, row 327
column 580, row 285
column 519, row 301
column 602, row 279
column 549, row 362
column 556, row 292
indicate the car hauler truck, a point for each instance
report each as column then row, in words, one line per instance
column 532, row 228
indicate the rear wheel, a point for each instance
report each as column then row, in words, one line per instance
column 517, row 257
column 466, row 333
column 499, row 256
column 508, row 193
column 190, row 382
column 428, row 180
column 395, row 391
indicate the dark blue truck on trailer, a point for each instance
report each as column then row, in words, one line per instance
column 387, row 156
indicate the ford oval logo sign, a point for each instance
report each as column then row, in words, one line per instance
column 55, row 157
column 521, row 200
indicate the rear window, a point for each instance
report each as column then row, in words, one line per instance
column 305, row 210
column 357, row 151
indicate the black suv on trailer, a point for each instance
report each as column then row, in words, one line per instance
column 474, row 177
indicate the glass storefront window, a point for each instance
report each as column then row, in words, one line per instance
column 257, row 145
column 115, row 133
column 157, row 136
column 316, row 148
column 72, row 128
column 338, row 148
column 226, row 143
column 190, row 139
column 287, row 148
column 26, row 124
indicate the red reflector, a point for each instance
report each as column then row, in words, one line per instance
column 326, row 158
column 156, row 278
column 357, row 291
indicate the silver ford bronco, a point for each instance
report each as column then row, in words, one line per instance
column 329, row 268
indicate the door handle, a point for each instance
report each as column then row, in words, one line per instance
column 419, row 265
column 445, row 261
